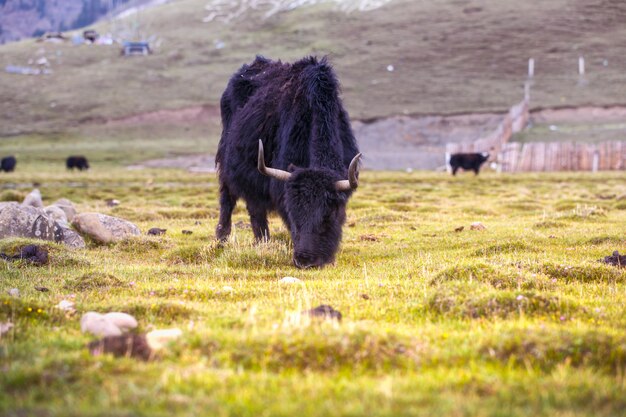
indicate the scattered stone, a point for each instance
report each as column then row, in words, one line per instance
column 5, row 328
column 155, row 231
column 31, row 222
column 33, row 199
column 98, row 325
column 42, row 289
column 103, row 228
column 365, row 296
column 57, row 214
column 135, row 345
column 243, row 225
column 14, row 292
column 197, row 223
column 68, row 208
column 459, row 229
column 290, row 280
column 123, row 321
column 73, row 239
column 606, row 196
column 369, row 238
column 34, row 254
column 616, row 260
column 325, row 312
column 130, row 345
column 109, row 324
column 187, row 232
column 65, row 305
column 477, row 226
column 160, row 338
column 228, row 288
column 112, row 202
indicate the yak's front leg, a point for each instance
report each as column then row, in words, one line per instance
column 227, row 205
column 258, row 219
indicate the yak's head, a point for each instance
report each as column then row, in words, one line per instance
column 315, row 203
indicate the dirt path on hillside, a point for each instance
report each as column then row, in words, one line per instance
column 393, row 143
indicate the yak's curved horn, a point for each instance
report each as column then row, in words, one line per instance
column 279, row 174
column 352, row 182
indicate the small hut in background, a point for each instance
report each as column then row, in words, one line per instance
column 135, row 48
column 90, row 35
column 52, row 37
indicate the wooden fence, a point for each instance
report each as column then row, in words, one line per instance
column 541, row 156
column 562, row 156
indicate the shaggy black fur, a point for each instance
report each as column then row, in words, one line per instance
column 77, row 161
column 8, row 164
column 468, row 161
column 296, row 111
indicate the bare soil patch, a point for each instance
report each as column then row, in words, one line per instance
column 390, row 143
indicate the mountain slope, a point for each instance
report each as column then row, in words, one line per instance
column 27, row 18
column 450, row 56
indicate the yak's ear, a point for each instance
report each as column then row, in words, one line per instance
column 291, row 167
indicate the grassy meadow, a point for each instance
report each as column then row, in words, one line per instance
column 518, row 319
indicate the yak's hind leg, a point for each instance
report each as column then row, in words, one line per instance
column 227, row 205
column 258, row 219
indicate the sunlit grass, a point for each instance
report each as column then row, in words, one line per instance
column 520, row 316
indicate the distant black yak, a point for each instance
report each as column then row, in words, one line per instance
column 8, row 164
column 289, row 116
column 468, row 161
column 77, row 161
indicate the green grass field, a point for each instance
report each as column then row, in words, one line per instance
column 519, row 319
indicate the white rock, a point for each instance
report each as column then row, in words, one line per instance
column 228, row 288
column 14, row 292
column 158, row 339
column 65, row 305
column 103, row 228
column 98, row 325
column 123, row 321
column 5, row 327
column 477, row 226
column 33, row 199
column 290, row 280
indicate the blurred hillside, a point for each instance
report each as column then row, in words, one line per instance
column 28, row 18
column 404, row 58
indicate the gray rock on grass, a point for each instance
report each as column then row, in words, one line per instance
column 68, row 208
column 57, row 214
column 33, row 199
column 103, row 228
column 109, row 324
column 31, row 222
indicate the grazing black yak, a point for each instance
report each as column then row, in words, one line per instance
column 8, row 164
column 77, row 161
column 467, row 161
column 290, row 117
